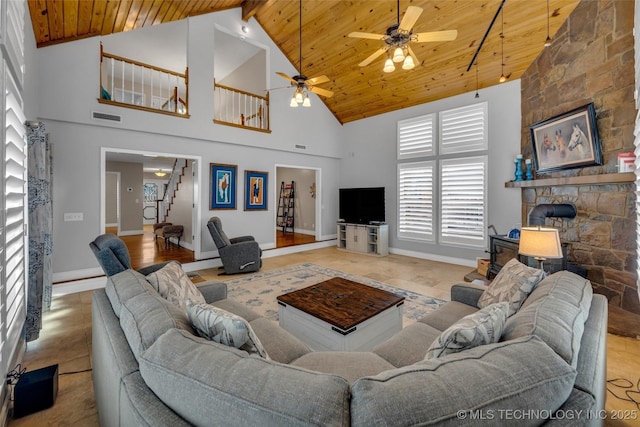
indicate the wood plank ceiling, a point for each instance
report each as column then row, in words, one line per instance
column 359, row 91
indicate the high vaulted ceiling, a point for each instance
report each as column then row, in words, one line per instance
column 327, row 50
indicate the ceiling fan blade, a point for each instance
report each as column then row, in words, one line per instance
column 436, row 36
column 409, row 19
column 320, row 91
column 416, row 61
column 284, row 76
column 371, row 36
column 318, row 80
column 373, row 56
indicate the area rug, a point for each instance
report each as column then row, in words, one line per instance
column 259, row 290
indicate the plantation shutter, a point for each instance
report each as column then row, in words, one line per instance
column 462, row 201
column 13, row 168
column 415, row 137
column 415, row 200
column 464, row 129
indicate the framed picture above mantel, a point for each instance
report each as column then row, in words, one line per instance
column 567, row 141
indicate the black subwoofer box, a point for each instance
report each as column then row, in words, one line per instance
column 35, row 391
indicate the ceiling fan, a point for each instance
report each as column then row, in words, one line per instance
column 302, row 83
column 398, row 37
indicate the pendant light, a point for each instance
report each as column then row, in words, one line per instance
column 502, row 76
column 160, row 172
column 548, row 41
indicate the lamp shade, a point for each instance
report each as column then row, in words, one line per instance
column 540, row 242
column 408, row 63
column 398, row 55
column 306, row 102
column 388, row 66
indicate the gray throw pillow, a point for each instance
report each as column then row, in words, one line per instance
column 512, row 284
column 216, row 324
column 480, row 328
column 173, row 284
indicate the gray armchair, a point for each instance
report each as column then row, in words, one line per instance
column 113, row 255
column 239, row 254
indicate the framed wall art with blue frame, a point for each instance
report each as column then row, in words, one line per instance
column 255, row 194
column 222, row 185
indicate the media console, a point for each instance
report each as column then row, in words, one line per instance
column 370, row 239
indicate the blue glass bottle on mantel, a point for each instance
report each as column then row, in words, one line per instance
column 529, row 174
column 518, row 171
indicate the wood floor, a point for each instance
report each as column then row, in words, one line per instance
column 145, row 250
column 66, row 336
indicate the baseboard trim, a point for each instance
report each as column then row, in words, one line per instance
column 130, row 233
column 66, row 276
column 434, row 257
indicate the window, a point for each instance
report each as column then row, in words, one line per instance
column 415, row 137
column 13, row 200
column 442, row 193
column 462, row 201
column 415, row 207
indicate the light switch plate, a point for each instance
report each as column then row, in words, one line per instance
column 73, row 216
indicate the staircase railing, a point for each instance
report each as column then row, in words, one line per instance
column 235, row 107
column 133, row 84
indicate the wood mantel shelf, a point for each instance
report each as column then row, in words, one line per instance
column 601, row 179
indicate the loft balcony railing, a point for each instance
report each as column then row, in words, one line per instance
column 133, row 84
column 235, row 107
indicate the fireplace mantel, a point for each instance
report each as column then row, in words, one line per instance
column 601, row 179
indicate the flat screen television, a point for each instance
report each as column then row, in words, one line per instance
column 362, row 205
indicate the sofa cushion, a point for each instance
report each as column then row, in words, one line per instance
column 556, row 312
column 480, row 328
column 407, row 346
column 523, row 373
column 447, row 314
column 237, row 308
column 173, row 284
column 279, row 344
column 216, row 324
column 350, row 365
column 513, row 284
column 125, row 285
column 145, row 317
column 207, row 383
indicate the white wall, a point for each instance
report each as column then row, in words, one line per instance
column 68, row 95
column 370, row 161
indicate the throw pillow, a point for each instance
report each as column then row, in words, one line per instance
column 480, row 328
column 512, row 284
column 173, row 284
column 216, row 324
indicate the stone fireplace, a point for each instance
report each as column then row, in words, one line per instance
column 591, row 60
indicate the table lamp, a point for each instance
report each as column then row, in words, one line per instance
column 540, row 243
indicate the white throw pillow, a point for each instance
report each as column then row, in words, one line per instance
column 173, row 284
column 216, row 324
column 480, row 328
column 512, row 284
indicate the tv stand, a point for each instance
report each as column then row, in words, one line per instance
column 369, row 239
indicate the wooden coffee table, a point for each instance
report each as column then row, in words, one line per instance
column 340, row 314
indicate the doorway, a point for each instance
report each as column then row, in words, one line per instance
column 135, row 169
column 305, row 209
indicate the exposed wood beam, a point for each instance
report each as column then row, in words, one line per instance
column 250, row 7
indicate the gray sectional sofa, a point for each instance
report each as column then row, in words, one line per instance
column 151, row 369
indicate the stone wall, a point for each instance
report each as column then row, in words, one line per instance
column 591, row 60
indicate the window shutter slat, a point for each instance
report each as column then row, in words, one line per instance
column 462, row 201
column 415, row 137
column 415, row 200
column 463, row 129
